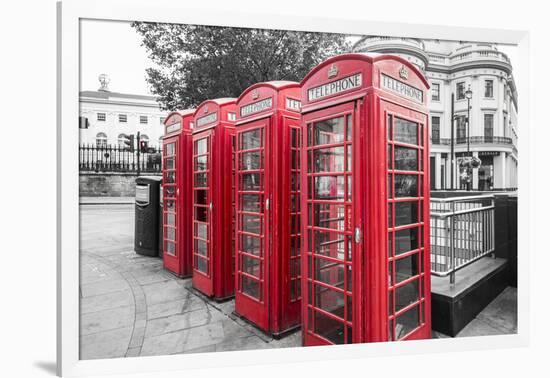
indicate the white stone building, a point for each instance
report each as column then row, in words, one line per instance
column 455, row 67
column 111, row 115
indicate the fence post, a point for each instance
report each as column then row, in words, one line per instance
column 452, row 241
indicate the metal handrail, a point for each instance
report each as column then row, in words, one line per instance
column 462, row 231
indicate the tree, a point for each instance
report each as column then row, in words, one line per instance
column 194, row 63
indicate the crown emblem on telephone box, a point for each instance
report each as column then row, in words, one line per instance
column 255, row 94
column 206, row 109
column 403, row 73
column 332, row 71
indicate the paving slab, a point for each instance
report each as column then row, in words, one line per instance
column 180, row 306
column 107, row 301
column 109, row 344
column 106, row 320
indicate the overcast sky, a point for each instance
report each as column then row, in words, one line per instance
column 114, row 48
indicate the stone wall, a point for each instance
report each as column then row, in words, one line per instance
column 108, row 184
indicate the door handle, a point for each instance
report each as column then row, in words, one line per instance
column 358, row 235
column 211, row 206
column 267, row 203
column 177, row 192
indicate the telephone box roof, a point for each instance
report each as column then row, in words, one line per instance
column 181, row 113
column 275, row 84
column 370, row 58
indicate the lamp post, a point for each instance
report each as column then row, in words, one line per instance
column 468, row 95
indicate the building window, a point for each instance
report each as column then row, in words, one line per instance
column 120, row 140
column 461, row 129
column 101, row 140
column 122, row 118
column 435, row 92
column 435, row 129
column 488, row 88
column 460, row 93
column 488, row 127
column 101, row 117
column 143, row 120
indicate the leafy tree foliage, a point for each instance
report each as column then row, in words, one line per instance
column 194, row 63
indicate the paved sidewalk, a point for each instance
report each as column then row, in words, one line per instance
column 130, row 306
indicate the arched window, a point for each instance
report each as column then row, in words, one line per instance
column 120, row 140
column 144, row 137
column 101, row 140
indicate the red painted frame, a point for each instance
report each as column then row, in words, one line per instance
column 177, row 209
column 370, row 106
column 274, row 270
column 215, row 120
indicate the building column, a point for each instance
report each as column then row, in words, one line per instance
column 500, row 171
column 475, row 174
column 438, row 171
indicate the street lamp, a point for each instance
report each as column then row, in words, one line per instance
column 468, row 95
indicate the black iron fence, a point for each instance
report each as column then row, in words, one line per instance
column 110, row 158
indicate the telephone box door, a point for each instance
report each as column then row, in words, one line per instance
column 202, row 212
column 252, row 281
column 171, row 208
column 408, row 220
column 329, row 250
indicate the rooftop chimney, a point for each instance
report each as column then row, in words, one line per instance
column 104, row 81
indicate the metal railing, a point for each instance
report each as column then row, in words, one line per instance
column 473, row 140
column 108, row 158
column 462, row 231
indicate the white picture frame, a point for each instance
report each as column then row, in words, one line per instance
column 70, row 12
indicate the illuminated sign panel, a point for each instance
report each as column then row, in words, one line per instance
column 293, row 104
column 256, row 107
column 347, row 83
column 213, row 117
column 173, row 127
column 402, row 89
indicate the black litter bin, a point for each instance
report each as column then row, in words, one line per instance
column 146, row 238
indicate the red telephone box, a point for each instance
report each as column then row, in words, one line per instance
column 213, row 195
column 177, row 190
column 267, row 286
column 365, row 201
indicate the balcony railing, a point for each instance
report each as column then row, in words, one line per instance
column 473, row 140
column 462, row 231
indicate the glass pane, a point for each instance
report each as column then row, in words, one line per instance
column 201, row 163
column 390, row 215
column 328, row 131
column 171, row 219
column 251, row 160
column 330, row 329
column 250, row 181
column 329, row 300
column 251, row 287
column 295, row 182
column 170, row 177
column 169, row 163
column 406, row 185
column 406, row 240
column 329, row 187
column 170, row 149
column 170, row 233
column 200, row 197
column 170, row 204
column 251, row 223
column 201, row 180
column 406, row 295
column 329, row 244
column 251, row 139
column 201, row 265
column 405, row 131
column 406, row 322
column 170, row 248
column 328, row 160
column 329, row 272
column 201, row 230
column 250, row 244
column 406, row 268
column 201, row 146
column 170, row 191
column 251, row 202
column 201, row 247
column 406, row 213
column 406, row 159
column 251, row 266
column 200, row 213
column 329, row 216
